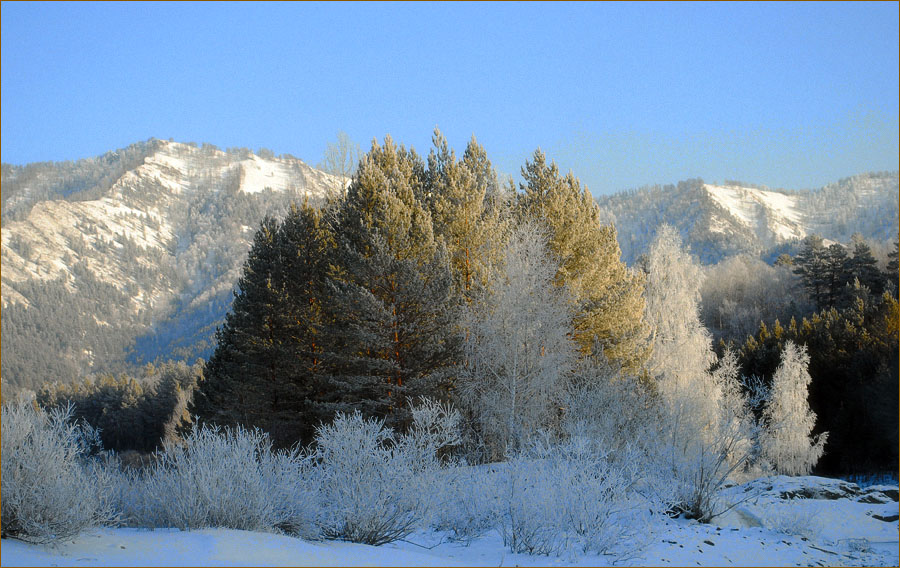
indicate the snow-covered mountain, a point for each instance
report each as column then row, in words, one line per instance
column 717, row 221
column 138, row 249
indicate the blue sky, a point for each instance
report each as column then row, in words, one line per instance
column 787, row 95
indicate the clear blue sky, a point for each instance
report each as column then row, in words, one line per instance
column 788, row 95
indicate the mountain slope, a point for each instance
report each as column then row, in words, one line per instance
column 87, row 271
column 717, row 221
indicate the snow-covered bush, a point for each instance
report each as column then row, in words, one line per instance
column 558, row 496
column 376, row 484
column 791, row 519
column 469, row 501
column 606, row 406
column 692, row 461
column 50, row 489
column 221, row 478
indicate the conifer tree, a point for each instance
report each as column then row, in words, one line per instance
column 863, row 266
column 789, row 422
column 893, row 266
column 606, row 295
column 265, row 371
column 810, row 265
column 462, row 198
column 836, row 273
column 392, row 299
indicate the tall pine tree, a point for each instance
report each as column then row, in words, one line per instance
column 863, row 266
column 810, row 265
column 266, row 368
column 393, row 301
column 462, row 196
column 606, row 296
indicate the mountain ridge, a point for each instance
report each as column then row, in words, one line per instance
column 721, row 220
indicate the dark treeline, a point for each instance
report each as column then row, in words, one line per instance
column 131, row 413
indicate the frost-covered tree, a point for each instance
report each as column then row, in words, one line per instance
column 704, row 424
column 788, row 442
column 341, row 158
column 519, row 353
column 681, row 347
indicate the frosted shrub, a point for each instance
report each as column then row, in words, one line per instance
column 691, row 465
column 50, row 490
column 532, row 521
column 560, row 496
column 377, row 484
column 220, row 478
column 470, row 501
column 606, row 406
column 789, row 518
column 602, row 506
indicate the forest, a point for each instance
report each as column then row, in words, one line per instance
column 433, row 315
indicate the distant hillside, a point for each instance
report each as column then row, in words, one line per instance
column 135, row 251
column 718, row 221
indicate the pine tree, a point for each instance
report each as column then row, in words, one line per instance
column 265, row 371
column 836, row 273
column 789, row 422
column 606, row 296
column 460, row 195
column 242, row 366
column 893, row 267
column 392, row 297
column 810, row 265
column 863, row 266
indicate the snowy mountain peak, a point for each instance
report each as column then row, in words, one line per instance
column 776, row 216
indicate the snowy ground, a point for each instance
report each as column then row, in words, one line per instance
column 808, row 521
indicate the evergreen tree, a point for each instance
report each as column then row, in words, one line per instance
column 605, row 294
column 788, row 441
column 810, row 265
column 461, row 196
column 836, row 273
column 893, row 267
column 863, row 266
column 265, row 371
column 392, row 300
